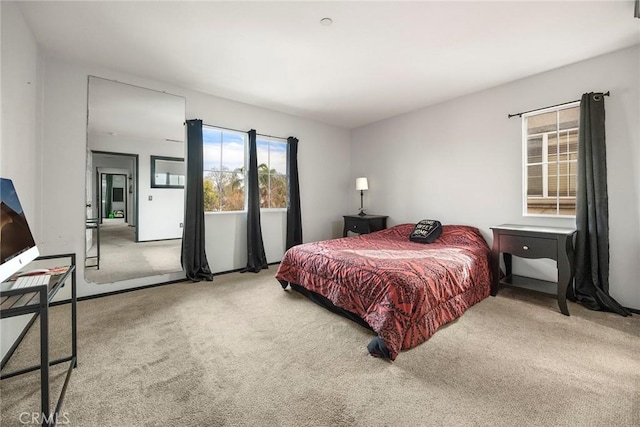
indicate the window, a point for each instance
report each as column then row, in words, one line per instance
column 167, row 172
column 272, row 172
column 550, row 147
column 224, row 169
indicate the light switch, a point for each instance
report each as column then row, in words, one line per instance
column 150, row 198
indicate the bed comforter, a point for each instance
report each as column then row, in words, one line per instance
column 403, row 290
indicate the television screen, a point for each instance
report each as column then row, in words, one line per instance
column 17, row 247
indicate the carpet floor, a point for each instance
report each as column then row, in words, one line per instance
column 121, row 258
column 240, row 351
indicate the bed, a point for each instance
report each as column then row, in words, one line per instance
column 402, row 290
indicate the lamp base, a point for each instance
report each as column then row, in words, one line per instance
column 361, row 204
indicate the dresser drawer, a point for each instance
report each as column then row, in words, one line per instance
column 529, row 247
column 358, row 226
column 364, row 224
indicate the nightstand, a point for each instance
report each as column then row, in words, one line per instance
column 364, row 224
column 528, row 241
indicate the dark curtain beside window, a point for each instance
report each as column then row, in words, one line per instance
column 108, row 195
column 592, row 211
column 256, row 258
column 193, row 258
column 294, row 215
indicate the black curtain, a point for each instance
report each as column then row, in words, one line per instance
column 193, row 258
column 108, row 196
column 636, row 11
column 256, row 258
column 294, row 215
column 592, row 211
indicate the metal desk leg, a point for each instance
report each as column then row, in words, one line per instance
column 98, row 243
column 44, row 356
column 74, row 315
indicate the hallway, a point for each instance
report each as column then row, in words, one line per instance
column 121, row 258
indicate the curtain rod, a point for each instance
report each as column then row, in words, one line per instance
column 551, row 106
column 244, row 131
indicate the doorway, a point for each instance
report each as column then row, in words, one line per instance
column 113, row 204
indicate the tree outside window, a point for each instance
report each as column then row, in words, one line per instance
column 223, row 169
column 272, row 172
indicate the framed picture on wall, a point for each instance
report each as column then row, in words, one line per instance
column 117, row 194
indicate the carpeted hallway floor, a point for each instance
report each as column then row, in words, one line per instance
column 121, row 258
column 240, row 351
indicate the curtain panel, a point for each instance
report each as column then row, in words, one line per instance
column 294, row 214
column 193, row 256
column 592, row 210
column 256, row 258
column 108, row 195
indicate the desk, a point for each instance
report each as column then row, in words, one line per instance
column 528, row 241
column 36, row 300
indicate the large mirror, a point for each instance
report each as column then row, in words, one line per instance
column 133, row 224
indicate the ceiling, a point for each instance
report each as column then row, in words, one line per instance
column 126, row 111
column 377, row 60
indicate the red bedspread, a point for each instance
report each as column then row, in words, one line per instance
column 404, row 290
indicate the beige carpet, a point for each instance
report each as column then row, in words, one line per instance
column 121, row 258
column 240, row 351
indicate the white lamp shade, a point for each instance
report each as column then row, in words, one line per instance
column 362, row 184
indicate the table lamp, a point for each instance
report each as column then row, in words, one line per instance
column 362, row 185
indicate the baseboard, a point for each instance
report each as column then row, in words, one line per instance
column 122, row 291
column 238, row 270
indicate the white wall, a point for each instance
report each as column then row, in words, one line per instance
column 460, row 161
column 19, row 160
column 20, row 87
column 323, row 160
